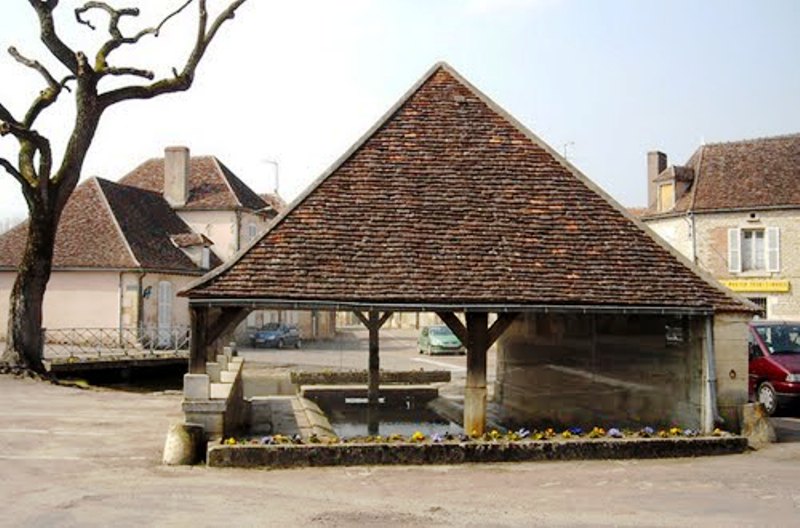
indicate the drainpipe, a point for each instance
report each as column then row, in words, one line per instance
column 694, row 237
column 120, row 307
column 711, row 415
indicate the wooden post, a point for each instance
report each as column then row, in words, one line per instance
column 199, row 342
column 475, row 390
column 374, row 321
column 373, row 375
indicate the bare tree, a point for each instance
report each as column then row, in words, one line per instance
column 47, row 185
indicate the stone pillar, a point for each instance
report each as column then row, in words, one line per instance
column 475, row 390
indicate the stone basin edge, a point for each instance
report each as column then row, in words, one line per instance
column 406, row 453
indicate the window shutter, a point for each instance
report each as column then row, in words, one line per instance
column 734, row 250
column 773, row 249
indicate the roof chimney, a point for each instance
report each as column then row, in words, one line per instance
column 176, row 175
column 656, row 164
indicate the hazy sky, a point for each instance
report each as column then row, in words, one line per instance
column 299, row 81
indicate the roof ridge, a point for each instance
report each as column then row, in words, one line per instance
column 225, row 179
column 113, row 215
column 759, row 139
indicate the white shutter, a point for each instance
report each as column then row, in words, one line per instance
column 734, row 250
column 164, row 304
column 773, row 249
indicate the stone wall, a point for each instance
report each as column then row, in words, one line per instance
column 605, row 370
column 712, row 250
column 730, row 349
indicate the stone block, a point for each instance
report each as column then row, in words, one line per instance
column 228, row 376
column 213, row 370
column 222, row 359
column 756, row 426
column 196, row 386
column 220, row 391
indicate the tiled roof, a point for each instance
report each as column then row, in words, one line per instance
column 106, row 225
column 87, row 235
column 211, row 184
column 751, row 174
column 448, row 200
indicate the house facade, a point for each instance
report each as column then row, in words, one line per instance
column 124, row 249
column 734, row 210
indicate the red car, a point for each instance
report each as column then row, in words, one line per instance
column 774, row 351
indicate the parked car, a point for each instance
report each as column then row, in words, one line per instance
column 439, row 340
column 276, row 335
column 774, row 364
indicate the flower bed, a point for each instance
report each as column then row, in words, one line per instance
column 515, row 446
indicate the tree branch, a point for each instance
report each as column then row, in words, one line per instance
column 136, row 72
column 12, row 170
column 117, row 38
column 182, row 80
column 47, row 96
column 47, row 33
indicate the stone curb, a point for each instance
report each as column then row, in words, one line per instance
column 315, row 455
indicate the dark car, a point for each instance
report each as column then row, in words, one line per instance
column 774, row 371
column 276, row 335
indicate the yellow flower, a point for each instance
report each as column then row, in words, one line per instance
column 566, row 434
column 230, row 441
column 417, row 437
column 674, row 431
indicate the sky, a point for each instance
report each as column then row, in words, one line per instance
column 287, row 87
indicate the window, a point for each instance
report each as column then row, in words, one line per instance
column 753, row 250
column 666, row 196
column 252, row 232
column 205, row 261
column 761, row 302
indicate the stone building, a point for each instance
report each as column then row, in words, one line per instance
column 734, row 210
column 125, row 248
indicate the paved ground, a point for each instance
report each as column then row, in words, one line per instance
column 71, row 457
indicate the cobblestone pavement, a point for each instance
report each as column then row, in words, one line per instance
column 71, row 457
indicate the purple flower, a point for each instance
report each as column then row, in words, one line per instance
column 614, row 433
column 267, row 440
column 523, row 433
column 577, row 431
column 648, row 431
column 436, row 438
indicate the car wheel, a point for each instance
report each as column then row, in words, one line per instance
column 280, row 343
column 298, row 344
column 767, row 396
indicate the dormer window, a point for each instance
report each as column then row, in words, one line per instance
column 205, row 259
column 666, row 196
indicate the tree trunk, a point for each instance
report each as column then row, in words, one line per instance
column 25, row 344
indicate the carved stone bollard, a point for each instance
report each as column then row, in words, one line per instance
column 185, row 445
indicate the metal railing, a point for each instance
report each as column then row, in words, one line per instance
column 115, row 342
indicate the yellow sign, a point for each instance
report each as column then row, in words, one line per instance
column 757, row 285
